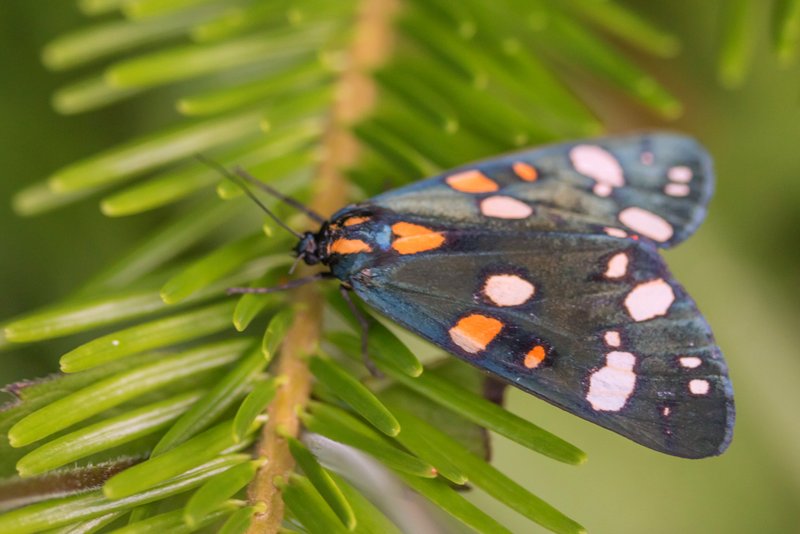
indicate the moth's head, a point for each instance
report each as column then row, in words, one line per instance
column 308, row 248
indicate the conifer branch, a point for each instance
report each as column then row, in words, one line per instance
column 354, row 97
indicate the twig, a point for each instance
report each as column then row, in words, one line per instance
column 354, row 97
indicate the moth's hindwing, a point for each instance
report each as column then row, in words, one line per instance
column 652, row 185
column 593, row 324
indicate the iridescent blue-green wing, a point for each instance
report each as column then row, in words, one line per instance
column 653, row 185
column 593, row 324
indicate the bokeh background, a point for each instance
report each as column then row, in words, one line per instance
column 743, row 268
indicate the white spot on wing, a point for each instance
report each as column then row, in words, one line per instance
column 680, row 174
column 646, row 223
column 649, row 299
column 599, row 165
column 699, row 387
column 665, row 411
column 502, row 207
column 508, row 289
column 611, row 387
column 612, row 338
column 115, row 342
column 676, row 190
column 617, row 265
column 691, row 362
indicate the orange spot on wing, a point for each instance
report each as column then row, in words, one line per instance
column 406, row 229
column 535, row 357
column 472, row 182
column 413, row 238
column 473, row 333
column 348, row 246
column 525, row 171
column 352, row 221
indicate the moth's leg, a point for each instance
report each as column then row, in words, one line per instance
column 364, row 324
column 494, row 390
column 291, row 284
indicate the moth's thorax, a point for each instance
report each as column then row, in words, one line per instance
column 352, row 239
column 362, row 236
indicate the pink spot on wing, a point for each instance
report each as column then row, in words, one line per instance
column 508, row 289
column 612, row 338
column 602, row 190
column 680, row 174
column 691, row 362
column 599, row 165
column 646, row 223
column 676, row 190
column 649, row 299
column 647, row 158
column 699, row 387
column 617, row 266
column 611, row 387
column 502, row 207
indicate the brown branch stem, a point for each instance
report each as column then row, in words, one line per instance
column 354, row 97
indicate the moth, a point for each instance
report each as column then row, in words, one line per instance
column 542, row 269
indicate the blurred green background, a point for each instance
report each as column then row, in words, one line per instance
column 743, row 268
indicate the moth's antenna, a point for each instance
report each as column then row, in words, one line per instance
column 277, row 194
column 243, row 185
column 297, row 261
